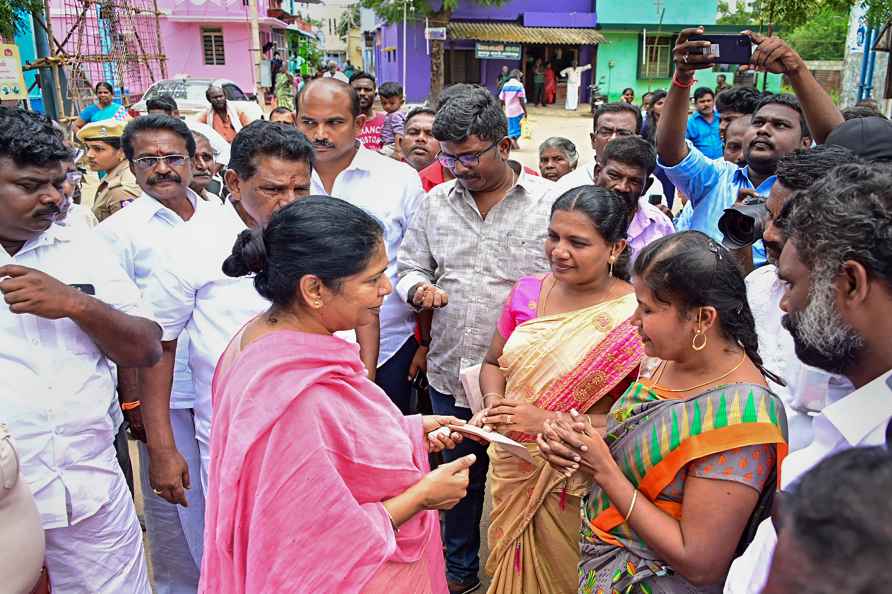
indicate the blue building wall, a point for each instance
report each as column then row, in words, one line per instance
column 25, row 42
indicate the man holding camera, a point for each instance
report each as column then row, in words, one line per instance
column 778, row 127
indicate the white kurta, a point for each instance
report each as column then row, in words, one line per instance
column 574, row 77
column 57, row 388
column 135, row 235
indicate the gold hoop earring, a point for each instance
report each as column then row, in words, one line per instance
column 694, row 344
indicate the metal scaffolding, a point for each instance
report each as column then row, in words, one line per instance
column 117, row 41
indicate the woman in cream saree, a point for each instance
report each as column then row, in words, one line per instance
column 553, row 357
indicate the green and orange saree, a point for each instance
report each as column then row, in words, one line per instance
column 653, row 438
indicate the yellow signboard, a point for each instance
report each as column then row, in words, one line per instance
column 12, row 83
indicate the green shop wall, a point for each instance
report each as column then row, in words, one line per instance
column 677, row 12
column 621, row 49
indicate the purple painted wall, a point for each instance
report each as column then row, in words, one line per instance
column 562, row 13
column 418, row 66
column 469, row 10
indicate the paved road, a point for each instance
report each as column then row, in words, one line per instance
column 554, row 121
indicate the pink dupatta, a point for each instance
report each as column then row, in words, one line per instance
column 304, row 449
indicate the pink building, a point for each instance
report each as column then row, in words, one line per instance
column 200, row 38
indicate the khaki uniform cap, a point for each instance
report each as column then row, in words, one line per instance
column 101, row 129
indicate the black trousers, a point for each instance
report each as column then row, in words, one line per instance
column 393, row 378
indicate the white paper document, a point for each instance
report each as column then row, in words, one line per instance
column 513, row 447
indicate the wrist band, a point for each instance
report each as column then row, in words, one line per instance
column 392, row 523
column 125, row 406
column 631, row 507
column 681, row 85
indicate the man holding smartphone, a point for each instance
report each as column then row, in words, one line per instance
column 780, row 125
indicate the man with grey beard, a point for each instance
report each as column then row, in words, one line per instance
column 807, row 389
column 837, row 265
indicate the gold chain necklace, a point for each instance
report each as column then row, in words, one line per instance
column 656, row 386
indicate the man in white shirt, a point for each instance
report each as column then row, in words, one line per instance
column 837, row 266
column 271, row 166
column 160, row 150
column 334, row 73
column 69, row 309
column 387, row 189
column 808, row 388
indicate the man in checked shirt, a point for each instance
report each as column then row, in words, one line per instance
column 468, row 243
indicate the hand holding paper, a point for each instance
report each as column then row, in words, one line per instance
column 513, row 447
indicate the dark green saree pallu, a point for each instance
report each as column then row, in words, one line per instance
column 653, row 437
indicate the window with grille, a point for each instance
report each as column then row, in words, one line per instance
column 655, row 58
column 212, row 42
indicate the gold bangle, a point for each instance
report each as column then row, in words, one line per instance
column 631, row 507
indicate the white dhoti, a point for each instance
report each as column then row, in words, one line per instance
column 101, row 554
column 175, row 533
column 572, row 102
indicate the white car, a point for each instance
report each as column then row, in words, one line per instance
column 189, row 93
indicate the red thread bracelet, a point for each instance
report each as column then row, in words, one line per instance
column 680, row 85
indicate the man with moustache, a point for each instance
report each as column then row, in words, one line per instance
column 331, row 117
column 735, row 135
column 204, row 168
column 224, row 117
column 807, row 389
column 69, row 313
column 777, row 128
column 190, row 296
column 104, row 155
column 470, row 241
column 626, row 167
column 418, row 145
column 837, row 269
column 161, row 150
column 370, row 133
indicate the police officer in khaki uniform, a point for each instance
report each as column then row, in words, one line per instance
column 118, row 188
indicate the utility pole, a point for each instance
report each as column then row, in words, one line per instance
column 405, row 80
column 255, row 50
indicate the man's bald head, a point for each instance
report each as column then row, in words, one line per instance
column 216, row 97
column 330, row 90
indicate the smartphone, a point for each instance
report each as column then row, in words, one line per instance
column 655, row 199
column 727, row 49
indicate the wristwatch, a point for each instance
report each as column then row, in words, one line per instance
column 425, row 342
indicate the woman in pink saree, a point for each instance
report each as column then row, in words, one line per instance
column 563, row 342
column 317, row 482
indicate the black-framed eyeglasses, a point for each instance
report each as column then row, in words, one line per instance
column 470, row 160
column 607, row 132
column 146, row 163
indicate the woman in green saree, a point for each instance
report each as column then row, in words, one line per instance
column 563, row 342
column 691, row 448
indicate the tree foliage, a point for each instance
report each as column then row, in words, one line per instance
column 392, row 10
column 349, row 19
column 822, row 37
column 13, row 15
column 791, row 14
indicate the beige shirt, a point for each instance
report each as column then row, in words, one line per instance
column 476, row 261
column 115, row 191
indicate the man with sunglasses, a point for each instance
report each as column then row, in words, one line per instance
column 118, row 187
column 161, row 149
column 469, row 242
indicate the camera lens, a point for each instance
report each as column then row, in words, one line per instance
column 743, row 225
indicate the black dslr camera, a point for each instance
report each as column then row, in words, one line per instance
column 743, row 224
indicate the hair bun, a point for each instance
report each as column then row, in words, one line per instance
column 248, row 254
